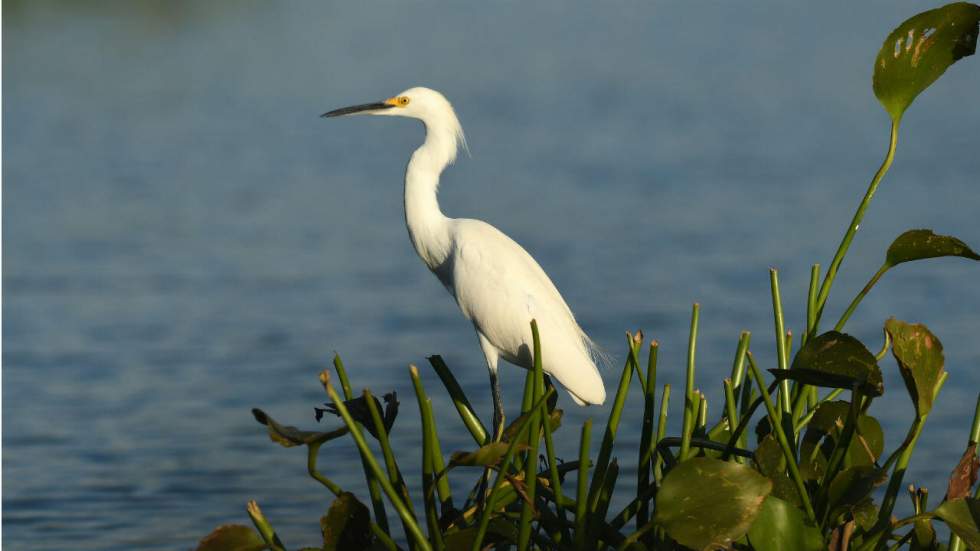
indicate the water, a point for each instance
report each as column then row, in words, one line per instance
column 185, row 239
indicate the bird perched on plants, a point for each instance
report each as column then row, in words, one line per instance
column 498, row 286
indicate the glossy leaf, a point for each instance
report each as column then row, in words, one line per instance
column 920, row 50
column 706, row 502
column 347, row 524
column 963, row 518
column 289, row 436
column 491, row 454
column 964, row 475
column 836, row 360
column 920, row 359
column 232, row 537
column 922, row 244
column 780, row 526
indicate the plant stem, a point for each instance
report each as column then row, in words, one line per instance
column 462, row 403
column 730, row 410
column 263, row 526
column 534, row 438
column 855, row 223
column 738, row 365
column 581, row 496
column 409, row 519
column 688, row 426
column 811, row 304
column 612, row 426
column 661, row 432
column 777, row 428
column 860, row 296
column 781, row 355
column 646, row 434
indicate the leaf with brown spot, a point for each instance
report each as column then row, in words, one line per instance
column 964, row 475
column 923, row 244
column 835, row 360
column 920, row 360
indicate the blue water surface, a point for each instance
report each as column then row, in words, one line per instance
column 184, row 238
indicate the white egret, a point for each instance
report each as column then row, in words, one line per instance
column 498, row 286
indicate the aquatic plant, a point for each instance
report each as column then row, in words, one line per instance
column 816, row 477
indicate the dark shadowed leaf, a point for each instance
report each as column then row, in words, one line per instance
column 922, row 244
column 347, row 524
column 499, row 531
column 836, row 360
column 963, row 517
column 781, row 526
column 853, row 486
column 919, row 50
column 772, row 463
column 360, row 412
column 491, row 454
column 964, row 475
column 707, row 502
column 232, row 537
column 865, row 513
column 289, row 436
column 821, row 435
column 920, row 359
column 923, row 536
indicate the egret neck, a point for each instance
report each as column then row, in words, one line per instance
column 427, row 226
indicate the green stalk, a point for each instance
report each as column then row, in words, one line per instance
column 646, row 434
column 702, row 412
column 781, row 355
column 661, row 432
column 731, row 412
column 429, row 470
column 263, row 526
column 555, row 479
column 581, row 498
column 811, row 304
column 311, row 460
column 504, row 465
column 860, row 296
column 688, row 426
column 777, row 428
column 463, row 407
column 855, row 224
column 338, row 364
column 738, row 365
column 438, row 463
column 612, row 426
column 394, row 473
column 534, row 436
column 415, row 532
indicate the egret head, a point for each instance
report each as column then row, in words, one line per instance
column 424, row 104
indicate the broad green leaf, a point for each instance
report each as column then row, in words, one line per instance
column 347, row 524
column 922, row 244
column 821, row 435
column 836, row 360
column 918, row 52
column 491, row 454
column 920, row 359
column 289, row 436
column 781, row 526
column 232, row 537
column 705, row 503
column 963, row 518
column 772, row 463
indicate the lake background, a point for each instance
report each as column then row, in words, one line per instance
column 184, row 238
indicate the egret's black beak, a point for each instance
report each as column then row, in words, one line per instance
column 353, row 109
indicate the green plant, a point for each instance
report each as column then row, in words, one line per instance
column 816, row 478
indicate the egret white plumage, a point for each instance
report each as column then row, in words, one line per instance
column 498, row 286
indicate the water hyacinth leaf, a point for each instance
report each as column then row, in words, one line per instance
column 499, row 531
column 963, row 518
column 232, row 537
column 964, row 475
column 868, row 443
column 836, row 360
column 923, row 244
column 853, row 486
column 780, row 526
column 920, row 50
column 491, row 454
column 772, row 463
column 920, row 360
column 347, row 524
column 705, row 503
column 289, row 436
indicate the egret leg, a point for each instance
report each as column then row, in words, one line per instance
column 490, row 351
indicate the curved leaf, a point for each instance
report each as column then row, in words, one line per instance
column 491, row 454
column 919, row 50
column 232, row 537
column 922, row 244
column 780, row 526
column 289, row 436
column 707, row 502
column 920, row 359
column 963, row 518
column 347, row 524
column 836, row 360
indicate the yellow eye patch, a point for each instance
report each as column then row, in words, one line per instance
column 400, row 101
